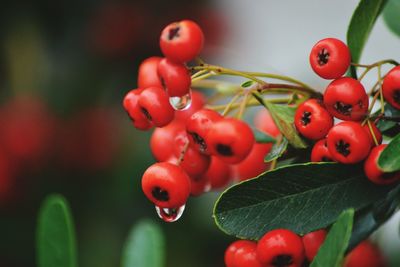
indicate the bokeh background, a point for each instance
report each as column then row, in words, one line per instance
column 64, row 69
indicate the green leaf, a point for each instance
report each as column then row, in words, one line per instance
column 389, row 160
column 56, row 245
column 391, row 16
column 360, row 26
column 276, row 151
column 300, row 197
column 247, row 84
column 332, row 251
column 388, row 122
column 283, row 116
column 145, row 246
column 262, row 137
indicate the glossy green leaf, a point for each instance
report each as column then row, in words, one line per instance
column 391, row 16
column 389, row 160
column 247, row 84
column 389, row 121
column 145, row 246
column 56, row 245
column 332, row 251
column 277, row 150
column 360, row 26
column 262, row 137
column 300, row 197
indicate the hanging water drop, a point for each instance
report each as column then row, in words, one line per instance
column 181, row 102
column 170, row 214
column 207, row 187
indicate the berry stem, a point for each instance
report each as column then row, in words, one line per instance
column 372, row 133
column 243, row 105
column 371, row 66
column 251, row 103
column 229, row 105
column 380, row 90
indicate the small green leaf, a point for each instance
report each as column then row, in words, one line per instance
column 388, row 122
column 391, row 16
column 283, row 116
column 360, row 26
column 300, row 197
column 145, row 246
column 276, row 151
column 332, row 251
column 262, row 137
column 247, row 84
column 389, row 160
column 56, row 245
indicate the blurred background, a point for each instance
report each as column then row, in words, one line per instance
column 64, row 69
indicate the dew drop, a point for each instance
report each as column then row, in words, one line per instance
column 181, row 102
column 207, row 187
column 170, row 214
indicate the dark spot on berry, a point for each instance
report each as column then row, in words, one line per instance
column 282, row 261
column 343, row 148
column 396, row 95
column 160, row 194
column 323, row 57
column 224, row 150
column 146, row 113
column 326, row 159
column 173, row 33
column 306, row 118
column 163, row 84
column 343, row 108
column 199, row 140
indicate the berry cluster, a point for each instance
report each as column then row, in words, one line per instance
column 356, row 137
column 284, row 248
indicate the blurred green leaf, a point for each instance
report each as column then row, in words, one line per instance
column 360, row 26
column 332, row 251
column 56, row 245
column 277, row 150
column 247, row 84
column 262, row 137
column 391, row 16
column 145, row 246
column 385, row 124
column 389, row 160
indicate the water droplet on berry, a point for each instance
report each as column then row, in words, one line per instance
column 170, row 214
column 207, row 187
column 181, row 102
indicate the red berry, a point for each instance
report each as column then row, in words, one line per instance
column 377, row 133
column 175, row 77
column 265, row 123
column 199, row 185
column 162, row 140
column 231, row 251
column 312, row 120
column 280, row 247
column 391, row 87
column 198, row 125
column 230, row 139
column 348, row 142
column 182, row 41
column 148, row 73
column 320, row 152
column 242, row 253
column 198, row 102
column 330, row 58
column 312, row 242
column 166, row 185
column 253, row 165
column 154, row 104
column 345, row 98
column 374, row 172
column 131, row 106
column 365, row 254
column 218, row 174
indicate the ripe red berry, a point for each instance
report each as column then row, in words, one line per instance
column 148, row 73
column 348, row 142
column 312, row 242
column 182, row 41
column 230, row 139
column 162, row 140
column 242, row 253
column 265, row 123
column 391, row 87
column 312, row 120
column 365, row 254
column 345, row 98
column 198, row 125
column 320, row 152
column 154, row 104
column 218, row 174
column 166, row 185
column 330, row 58
column 375, row 130
column 198, row 102
column 280, row 247
column 131, row 106
column 374, row 172
column 175, row 77
column 199, row 185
